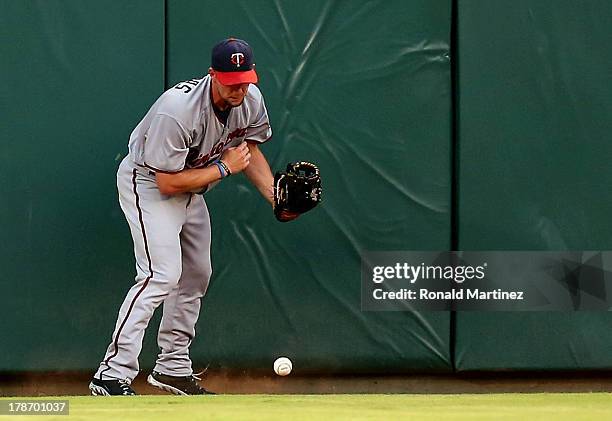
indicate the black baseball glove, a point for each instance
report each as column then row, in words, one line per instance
column 296, row 191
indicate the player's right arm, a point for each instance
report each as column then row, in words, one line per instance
column 166, row 149
column 236, row 159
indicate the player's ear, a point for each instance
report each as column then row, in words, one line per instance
column 211, row 72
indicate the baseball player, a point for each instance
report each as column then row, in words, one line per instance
column 196, row 134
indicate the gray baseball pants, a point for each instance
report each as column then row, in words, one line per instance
column 172, row 248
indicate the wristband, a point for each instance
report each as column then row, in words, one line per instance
column 225, row 167
column 221, row 169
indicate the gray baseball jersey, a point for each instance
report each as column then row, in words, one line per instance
column 181, row 130
column 171, row 234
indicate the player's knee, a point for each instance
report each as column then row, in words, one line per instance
column 202, row 272
column 169, row 278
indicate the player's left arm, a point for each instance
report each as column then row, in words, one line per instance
column 258, row 171
column 259, row 174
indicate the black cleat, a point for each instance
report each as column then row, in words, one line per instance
column 110, row 388
column 186, row 385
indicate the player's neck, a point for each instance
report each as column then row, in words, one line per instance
column 217, row 102
column 221, row 113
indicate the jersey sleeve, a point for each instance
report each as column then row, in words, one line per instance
column 259, row 130
column 166, row 145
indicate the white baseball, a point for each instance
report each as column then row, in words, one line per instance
column 282, row 366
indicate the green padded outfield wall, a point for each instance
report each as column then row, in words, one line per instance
column 535, row 124
column 363, row 89
column 76, row 77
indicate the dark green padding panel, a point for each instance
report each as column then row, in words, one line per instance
column 362, row 89
column 535, row 100
column 76, row 77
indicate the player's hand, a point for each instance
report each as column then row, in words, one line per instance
column 237, row 158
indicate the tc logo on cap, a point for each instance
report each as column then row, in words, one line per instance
column 237, row 59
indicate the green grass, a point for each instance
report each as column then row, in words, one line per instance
column 545, row 406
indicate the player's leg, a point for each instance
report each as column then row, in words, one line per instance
column 182, row 306
column 155, row 223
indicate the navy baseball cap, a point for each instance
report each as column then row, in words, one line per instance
column 233, row 62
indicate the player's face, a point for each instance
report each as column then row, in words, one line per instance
column 228, row 95
column 233, row 95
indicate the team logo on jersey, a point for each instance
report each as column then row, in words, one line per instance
column 237, row 59
column 195, row 159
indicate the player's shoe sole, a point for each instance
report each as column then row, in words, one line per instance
column 110, row 388
column 164, row 386
column 178, row 385
column 97, row 390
